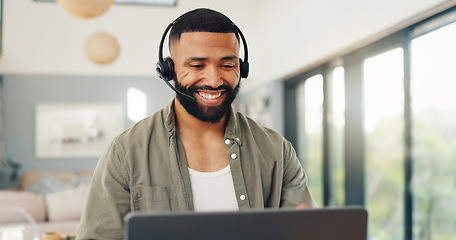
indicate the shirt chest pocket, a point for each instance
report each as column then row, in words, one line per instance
column 156, row 198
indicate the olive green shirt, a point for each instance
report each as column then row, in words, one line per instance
column 144, row 169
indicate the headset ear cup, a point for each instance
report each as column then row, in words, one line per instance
column 165, row 69
column 170, row 68
column 244, row 68
column 159, row 68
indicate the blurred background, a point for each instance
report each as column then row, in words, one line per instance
column 362, row 88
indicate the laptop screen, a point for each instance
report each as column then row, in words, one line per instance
column 275, row 224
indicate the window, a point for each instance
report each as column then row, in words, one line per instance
column 136, row 104
column 311, row 133
column 433, row 84
column 384, row 130
column 336, row 123
column 379, row 130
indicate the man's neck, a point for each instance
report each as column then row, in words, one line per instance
column 191, row 126
column 203, row 142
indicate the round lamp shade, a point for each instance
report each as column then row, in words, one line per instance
column 86, row 8
column 102, row 48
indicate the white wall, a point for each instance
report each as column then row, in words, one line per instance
column 41, row 38
column 284, row 36
column 297, row 33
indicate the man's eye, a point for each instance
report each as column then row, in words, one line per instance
column 196, row 66
column 228, row 66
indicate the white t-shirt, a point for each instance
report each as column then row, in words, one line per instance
column 213, row 191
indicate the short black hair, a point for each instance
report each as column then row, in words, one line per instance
column 202, row 20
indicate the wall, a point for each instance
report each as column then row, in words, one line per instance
column 283, row 36
column 20, row 94
column 296, row 33
column 42, row 38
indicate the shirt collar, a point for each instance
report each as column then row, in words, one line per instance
column 169, row 116
column 233, row 130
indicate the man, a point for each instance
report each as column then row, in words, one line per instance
column 198, row 153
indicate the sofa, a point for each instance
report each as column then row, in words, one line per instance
column 55, row 200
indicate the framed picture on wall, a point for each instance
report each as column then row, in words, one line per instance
column 76, row 130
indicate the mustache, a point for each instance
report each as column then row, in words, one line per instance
column 208, row 88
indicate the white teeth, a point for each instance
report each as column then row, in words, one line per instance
column 209, row 96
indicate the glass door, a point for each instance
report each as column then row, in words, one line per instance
column 383, row 79
column 310, row 133
column 336, row 119
column 433, row 86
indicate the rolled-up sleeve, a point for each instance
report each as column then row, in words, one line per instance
column 294, row 186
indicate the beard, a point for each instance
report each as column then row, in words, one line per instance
column 211, row 114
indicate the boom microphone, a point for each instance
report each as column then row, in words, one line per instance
column 179, row 92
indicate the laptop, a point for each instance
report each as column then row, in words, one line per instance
column 349, row 223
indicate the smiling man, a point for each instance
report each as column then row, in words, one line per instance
column 198, row 153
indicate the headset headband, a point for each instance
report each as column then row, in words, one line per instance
column 165, row 66
column 160, row 49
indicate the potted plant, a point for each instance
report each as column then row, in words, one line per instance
column 10, row 170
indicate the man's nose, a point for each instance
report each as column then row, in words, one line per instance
column 213, row 77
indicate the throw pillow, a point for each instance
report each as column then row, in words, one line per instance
column 47, row 184
column 67, row 204
column 84, row 181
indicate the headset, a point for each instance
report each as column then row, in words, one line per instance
column 165, row 67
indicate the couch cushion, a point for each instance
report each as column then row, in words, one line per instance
column 67, row 204
column 33, row 203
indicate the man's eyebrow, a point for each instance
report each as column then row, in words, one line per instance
column 196, row 59
column 190, row 59
column 233, row 57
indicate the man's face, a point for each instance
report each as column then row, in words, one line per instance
column 207, row 68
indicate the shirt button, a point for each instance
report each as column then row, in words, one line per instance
column 233, row 156
column 242, row 197
column 227, row 141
